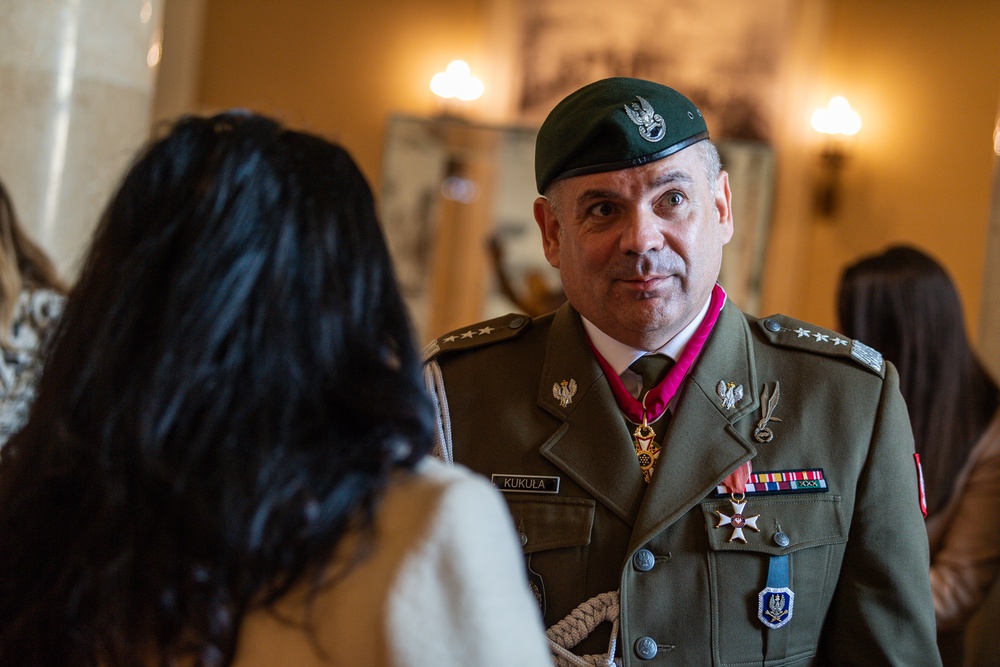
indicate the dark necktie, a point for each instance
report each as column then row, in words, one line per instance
column 652, row 368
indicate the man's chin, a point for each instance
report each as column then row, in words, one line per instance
column 653, row 322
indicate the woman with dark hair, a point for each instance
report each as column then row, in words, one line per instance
column 226, row 460
column 903, row 303
column 31, row 299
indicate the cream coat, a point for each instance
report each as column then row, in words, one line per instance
column 444, row 587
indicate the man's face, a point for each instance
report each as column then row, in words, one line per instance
column 639, row 249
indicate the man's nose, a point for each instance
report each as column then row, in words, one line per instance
column 642, row 233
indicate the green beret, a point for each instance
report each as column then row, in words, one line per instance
column 614, row 124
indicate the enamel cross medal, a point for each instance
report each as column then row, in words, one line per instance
column 645, row 448
column 738, row 520
column 736, row 484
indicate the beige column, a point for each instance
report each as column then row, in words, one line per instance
column 76, row 86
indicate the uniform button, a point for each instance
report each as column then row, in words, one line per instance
column 645, row 648
column 643, row 560
column 517, row 323
column 523, row 538
column 772, row 326
column 781, row 539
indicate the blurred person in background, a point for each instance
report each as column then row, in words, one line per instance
column 31, row 299
column 226, row 460
column 903, row 303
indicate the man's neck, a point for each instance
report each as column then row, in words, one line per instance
column 620, row 355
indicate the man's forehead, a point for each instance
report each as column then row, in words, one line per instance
column 681, row 168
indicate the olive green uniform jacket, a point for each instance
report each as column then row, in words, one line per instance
column 858, row 556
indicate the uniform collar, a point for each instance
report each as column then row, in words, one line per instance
column 620, row 356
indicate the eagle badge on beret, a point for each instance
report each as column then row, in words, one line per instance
column 651, row 125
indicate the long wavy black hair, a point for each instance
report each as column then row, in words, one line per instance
column 232, row 382
column 903, row 303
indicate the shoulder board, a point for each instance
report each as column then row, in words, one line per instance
column 788, row 332
column 478, row 335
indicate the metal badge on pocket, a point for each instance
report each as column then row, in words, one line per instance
column 777, row 601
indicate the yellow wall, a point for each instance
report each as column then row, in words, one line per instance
column 924, row 75
column 338, row 67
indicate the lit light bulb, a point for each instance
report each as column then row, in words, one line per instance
column 457, row 82
column 155, row 50
column 837, row 118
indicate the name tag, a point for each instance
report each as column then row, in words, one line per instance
column 526, row 483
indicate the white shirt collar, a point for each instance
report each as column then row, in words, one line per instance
column 620, row 356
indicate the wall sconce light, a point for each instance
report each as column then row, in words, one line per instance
column 456, row 83
column 838, row 121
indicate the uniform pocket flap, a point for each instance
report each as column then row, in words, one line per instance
column 552, row 523
column 784, row 523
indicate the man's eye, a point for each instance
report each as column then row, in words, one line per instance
column 674, row 199
column 602, row 210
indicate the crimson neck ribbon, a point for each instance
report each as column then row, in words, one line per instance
column 656, row 400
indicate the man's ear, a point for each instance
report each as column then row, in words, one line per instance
column 548, row 223
column 724, row 205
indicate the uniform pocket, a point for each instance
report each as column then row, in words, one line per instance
column 552, row 523
column 806, row 520
column 555, row 534
column 810, row 530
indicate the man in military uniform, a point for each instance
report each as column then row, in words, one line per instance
column 755, row 501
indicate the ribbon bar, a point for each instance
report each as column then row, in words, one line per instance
column 810, row 480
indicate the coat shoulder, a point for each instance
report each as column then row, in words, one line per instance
column 489, row 332
column 788, row 332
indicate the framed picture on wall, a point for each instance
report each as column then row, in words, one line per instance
column 724, row 57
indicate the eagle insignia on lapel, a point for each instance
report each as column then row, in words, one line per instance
column 564, row 392
column 730, row 393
